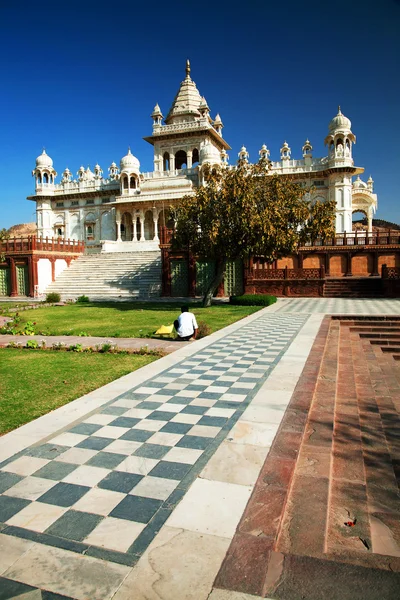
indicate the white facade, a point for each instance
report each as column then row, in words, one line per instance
column 125, row 210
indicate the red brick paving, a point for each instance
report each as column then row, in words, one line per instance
column 335, row 460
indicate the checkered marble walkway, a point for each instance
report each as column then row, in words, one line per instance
column 104, row 486
column 340, row 306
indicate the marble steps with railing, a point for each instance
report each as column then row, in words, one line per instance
column 111, row 275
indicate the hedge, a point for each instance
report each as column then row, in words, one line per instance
column 253, row 300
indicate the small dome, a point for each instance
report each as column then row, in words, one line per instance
column 209, row 153
column 44, row 160
column 129, row 162
column 340, row 122
column 157, row 111
column 359, row 184
column 97, row 167
column 88, row 174
column 217, row 120
column 113, row 165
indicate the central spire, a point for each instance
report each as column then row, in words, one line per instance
column 188, row 68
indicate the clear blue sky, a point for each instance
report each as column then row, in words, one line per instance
column 82, row 78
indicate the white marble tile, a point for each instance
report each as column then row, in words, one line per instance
column 220, row 412
column 186, row 418
column 25, row 465
column 86, row 475
column 100, row 418
column 115, row 534
column 235, row 463
column 76, row 456
column 149, row 425
column 99, row 501
column 67, row 573
column 123, row 447
column 264, row 414
column 165, row 439
column 183, row 455
column 68, row 439
column 211, row 507
column 30, row 488
column 37, row 516
column 137, row 464
column 170, row 407
column 154, row 487
column 137, row 413
column 11, row 549
column 188, row 393
column 178, row 565
column 255, row 434
column 204, row 431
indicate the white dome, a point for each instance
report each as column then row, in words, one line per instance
column 129, row 162
column 358, row 183
column 209, row 153
column 44, row 160
column 340, row 122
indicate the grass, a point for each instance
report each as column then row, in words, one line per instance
column 35, row 383
column 125, row 319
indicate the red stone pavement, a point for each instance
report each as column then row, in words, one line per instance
column 323, row 521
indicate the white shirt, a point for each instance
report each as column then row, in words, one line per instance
column 187, row 324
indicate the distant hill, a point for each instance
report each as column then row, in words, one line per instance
column 377, row 225
column 22, row 230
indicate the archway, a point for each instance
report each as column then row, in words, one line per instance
column 166, row 161
column 148, row 225
column 126, row 227
column 360, row 220
column 195, row 157
column 180, row 160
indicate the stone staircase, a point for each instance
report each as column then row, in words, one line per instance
column 111, row 276
column 351, row 287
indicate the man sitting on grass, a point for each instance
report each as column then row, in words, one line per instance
column 186, row 325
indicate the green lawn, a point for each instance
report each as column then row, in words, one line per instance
column 33, row 383
column 125, row 319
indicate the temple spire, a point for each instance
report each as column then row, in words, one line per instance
column 188, row 68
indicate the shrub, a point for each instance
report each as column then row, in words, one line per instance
column 76, row 348
column 83, row 334
column 83, row 298
column 32, row 344
column 253, row 300
column 29, row 328
column 203, row 330
column 53, row 297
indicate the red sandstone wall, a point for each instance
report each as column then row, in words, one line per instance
column 337, row 265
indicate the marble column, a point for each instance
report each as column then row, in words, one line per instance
column 142, row 239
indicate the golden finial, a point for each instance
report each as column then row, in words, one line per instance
column 187, row 68
column 339, row 111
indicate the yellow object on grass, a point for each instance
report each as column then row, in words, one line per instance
column 165, row 330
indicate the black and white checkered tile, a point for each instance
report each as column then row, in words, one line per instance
column 103, row 481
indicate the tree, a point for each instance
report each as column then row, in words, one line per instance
column 245, row 212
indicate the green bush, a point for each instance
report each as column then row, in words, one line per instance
column 32, row 344
column 253, row 300
column 53, row 297
column 83, row 298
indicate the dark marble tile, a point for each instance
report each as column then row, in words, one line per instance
column 136, row 508
column 194, row 441
column 11, row 506
column 176, row 428
column 212, row 421
column 148, row 405
column 195, row 410
column 160, row 415
column 106, row 460
column 137, row 435
column 74, row 525
column 12, row 589
column 170, row 470
column 7, row 480
column 95, row 443
column 180, row 400
column 124, row 422
column 85, row 428
column 118, row 481
column 152, row 451
column 64, row 494
column 48, row 450
column 55, row 470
